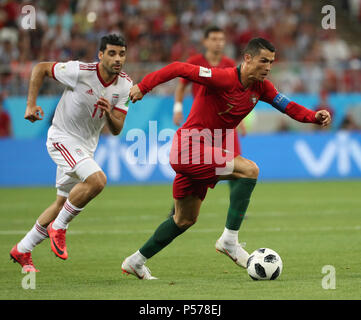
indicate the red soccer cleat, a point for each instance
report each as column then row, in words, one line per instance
column 57, row 241
column 24, row 259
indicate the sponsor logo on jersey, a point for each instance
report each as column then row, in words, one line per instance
column 90, row 91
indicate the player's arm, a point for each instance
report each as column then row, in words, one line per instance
column 178, row 104
column 214, row 77
column 241, row 128
column 115, row 117
column 293, row 109
column 39, row 72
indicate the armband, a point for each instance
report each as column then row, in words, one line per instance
column 280, row 102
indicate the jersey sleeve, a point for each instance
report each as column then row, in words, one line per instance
column 285, row 105
column 192, row 60
column 66, row 72
column 212, row 77
column 269, row 93
column 123, row 102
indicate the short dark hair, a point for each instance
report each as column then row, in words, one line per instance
column 114, row 39
column 212, row 29
column 255, row 45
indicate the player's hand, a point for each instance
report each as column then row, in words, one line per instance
column 178, row 118
column 135, row 94
column 34, row 113
column 323, row 117
column 104, row 105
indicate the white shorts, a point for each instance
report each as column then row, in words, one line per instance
column 74, row 164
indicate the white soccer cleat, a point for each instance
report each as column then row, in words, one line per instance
column 139, row 270
column 235, row 252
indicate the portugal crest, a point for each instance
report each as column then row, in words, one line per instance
column 253, row 99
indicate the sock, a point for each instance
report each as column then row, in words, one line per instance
column 36, row 235
column 240, row 196
column 138, row 258
column 229, row 237
column 165, row 233
column 66, row 214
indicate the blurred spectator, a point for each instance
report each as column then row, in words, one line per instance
column 8, row 52
column 348, row 123
column 62, row 16
column 283, row 126
column 160, row 31
column 335, row 50
column 5, row 121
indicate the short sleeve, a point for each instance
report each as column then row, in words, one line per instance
column 123, row 101
column 66, row 72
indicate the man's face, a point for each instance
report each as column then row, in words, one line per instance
column 112, row 58
column 215, row 42
column 259, row 66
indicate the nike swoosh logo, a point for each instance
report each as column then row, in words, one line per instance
column 140, row 277
column 227, row 253
column 56, row 248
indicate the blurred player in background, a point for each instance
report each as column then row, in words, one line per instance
column 95, row 94
column 214, row 42
column 225, row 98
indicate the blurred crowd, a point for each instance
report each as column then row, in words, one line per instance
column 161, row 31
column 309, row 58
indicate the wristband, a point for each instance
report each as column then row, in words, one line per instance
column 178, row 107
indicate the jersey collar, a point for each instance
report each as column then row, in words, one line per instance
column 239, row 76
column 102, row 80
column 239, row 73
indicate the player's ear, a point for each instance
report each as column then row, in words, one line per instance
column 100, row 55
column 247, row 57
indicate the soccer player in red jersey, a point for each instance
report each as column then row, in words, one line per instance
column 199, row 152
column 214, row 42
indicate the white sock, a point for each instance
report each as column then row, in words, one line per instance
column 66, row 214
column 36, row 235
column 230, row 237
column 138, row 258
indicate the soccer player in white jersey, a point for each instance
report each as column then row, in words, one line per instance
column 95, row 94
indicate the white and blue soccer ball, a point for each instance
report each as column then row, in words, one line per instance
column 264, row 264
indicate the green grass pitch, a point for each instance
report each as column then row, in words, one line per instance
column 310, row 224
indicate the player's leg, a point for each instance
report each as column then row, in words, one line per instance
column 172, row 211
column 244, row 177
column 52, row 211
column 21, row 252
column 92, row 182
column 79, row 196
column 186, row 214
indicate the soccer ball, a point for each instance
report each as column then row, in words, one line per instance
column 264, row 264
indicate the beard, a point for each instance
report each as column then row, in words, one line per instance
column 111, row 70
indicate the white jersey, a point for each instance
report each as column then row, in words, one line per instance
column 77, row 115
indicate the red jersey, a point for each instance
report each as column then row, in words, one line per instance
column 200, row 60
column 5, row 125
column 223, row 101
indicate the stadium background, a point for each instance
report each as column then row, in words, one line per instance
column 314, row 66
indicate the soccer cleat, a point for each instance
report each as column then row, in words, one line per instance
column 140, row 271
column 24, row 259
column 57, row 241
column 235, row 252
